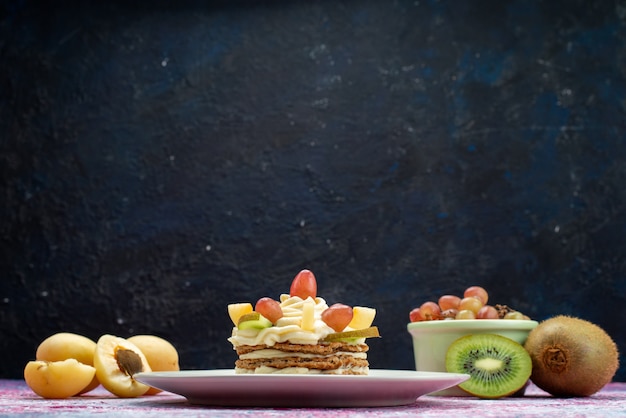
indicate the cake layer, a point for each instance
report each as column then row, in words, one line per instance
column 326, row 362
column 303, row 370
column 340, row 357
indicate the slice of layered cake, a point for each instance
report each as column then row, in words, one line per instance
column 300, row 333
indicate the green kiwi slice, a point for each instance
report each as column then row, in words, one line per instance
column 351, row 336
column 253, row 320
column 498, row 366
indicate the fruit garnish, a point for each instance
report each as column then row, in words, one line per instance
column 253, row 320
column 571, row 356
column 304, row 285
column 498, row 366
column 337, row 316
column 269, row 308
column 362, row 317
column 308, row 315
column 237, row 310
column 252, row 316
column 370, row 332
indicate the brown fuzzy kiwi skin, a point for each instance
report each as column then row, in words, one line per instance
column 571, row 357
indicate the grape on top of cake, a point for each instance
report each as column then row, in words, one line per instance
column 300, row 333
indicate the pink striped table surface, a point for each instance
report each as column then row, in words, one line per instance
column 17, row 399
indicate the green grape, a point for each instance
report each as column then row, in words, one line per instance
column 470, row 303
column 465, row 314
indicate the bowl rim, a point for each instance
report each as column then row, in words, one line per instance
column 474, row 324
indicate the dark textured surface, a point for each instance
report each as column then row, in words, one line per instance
column 158, row 163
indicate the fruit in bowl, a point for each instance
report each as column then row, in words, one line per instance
column 473, row 305
column 494, row 355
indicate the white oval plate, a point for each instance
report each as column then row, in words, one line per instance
column 225, row 388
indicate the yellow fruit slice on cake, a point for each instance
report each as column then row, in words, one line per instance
column 308, row 315
column 237, row 310
column 362, row 317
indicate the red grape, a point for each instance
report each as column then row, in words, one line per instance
column 487, row 312
column 430, row 311
column 337, row 316
column 473, row 305
column 449, row 302
column 269, row 308
column 415, row 315
column 304, row 285
column 478, row 292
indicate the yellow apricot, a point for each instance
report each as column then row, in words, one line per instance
column 160, row 353
column 67, row 345
column 58, row 379
column 64, row 345
column 116, row 361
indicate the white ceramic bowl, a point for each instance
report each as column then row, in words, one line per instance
column 431, row 340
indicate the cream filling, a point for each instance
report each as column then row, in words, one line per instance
column 300, row 370
column 270, row 353
column 288, row 327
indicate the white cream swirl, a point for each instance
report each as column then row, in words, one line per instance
column 287, row 328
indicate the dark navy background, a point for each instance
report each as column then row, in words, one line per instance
column 158, row 162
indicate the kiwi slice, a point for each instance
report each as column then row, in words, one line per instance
column 351, row 336
column 253, row 320
column 497, row 365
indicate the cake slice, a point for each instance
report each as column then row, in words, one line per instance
column 301, row 333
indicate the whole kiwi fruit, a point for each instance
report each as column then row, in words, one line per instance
column 571, row 357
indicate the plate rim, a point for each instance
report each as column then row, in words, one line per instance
column 374, row 374
column 203, row 387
